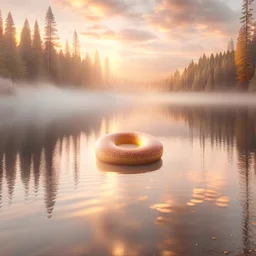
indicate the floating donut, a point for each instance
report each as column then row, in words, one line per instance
column 108, row 151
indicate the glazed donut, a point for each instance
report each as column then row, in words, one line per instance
column 149, row 149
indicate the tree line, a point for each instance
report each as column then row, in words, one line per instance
column 231, row 70
column 36, row 58
column 210, row 73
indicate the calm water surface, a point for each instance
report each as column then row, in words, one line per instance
column 56, row 199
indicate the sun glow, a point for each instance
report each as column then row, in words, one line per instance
column 18, row 34
column 106, row 47
column 77, row 3
column 118, row 249
column 97, row 10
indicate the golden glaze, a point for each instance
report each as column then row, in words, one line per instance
column 150, row 150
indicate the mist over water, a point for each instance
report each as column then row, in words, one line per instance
column 42, row 104
column 202, row 98
column 48, row 103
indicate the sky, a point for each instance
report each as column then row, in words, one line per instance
column 144, row 39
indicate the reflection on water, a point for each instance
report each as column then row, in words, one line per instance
column 56, row 199
column 128, row 169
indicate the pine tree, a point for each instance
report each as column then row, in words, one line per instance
column 216, row 60
column 67, row 66
column 252, row 84
column 184, row 78
column 220, row 59
column 231, row 69
column 211, row 61
column 190, row 75
column 76, row 45
column 67, row 50
column 97, row 73
column 231, row 46
column 3, row 70
column 107, row 71
column 87, row 71
column 177, row 80
column 210, row 80
column 1, row 26
column 25, row 49
column 197, row 84
column 217, row 78
column 62, row 66
column 50, row 55
column 10, row 31
column 76, row 61
column 243, row 55
column 253, row 45
column 224, row 72
column 37, row 53
column 204, row 77
column 170, row 83
column 13, row 62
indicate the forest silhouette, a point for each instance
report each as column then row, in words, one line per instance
column 40, row 58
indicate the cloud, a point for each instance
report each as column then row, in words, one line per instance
column 110, row 34
column 129, row 35
column 165, row 47
column 136, row 35
column 97, row 10
column 97, row 27
column 107, row 34
column 91, row 34
column 203, row 15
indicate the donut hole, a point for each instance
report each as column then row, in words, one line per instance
column 128, row 146
column 128, row 142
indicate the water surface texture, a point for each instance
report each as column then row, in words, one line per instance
column 56, row 199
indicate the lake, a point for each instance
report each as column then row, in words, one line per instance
column 57, row 199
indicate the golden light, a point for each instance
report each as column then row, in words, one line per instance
column 97, row 10
column 221, row 205
column 196, row 201
column 18, row 34
column 191, row 204
column 223, row 199
column 159, row 220
column 201, row 26
column 84, row 212
column 143, row 198
column 200, row 195
column 167, row 253
column 118, row 249
column 111, row 47
column 77, row 3
column 112, row 126
column 165, row 208
column 114, row 63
